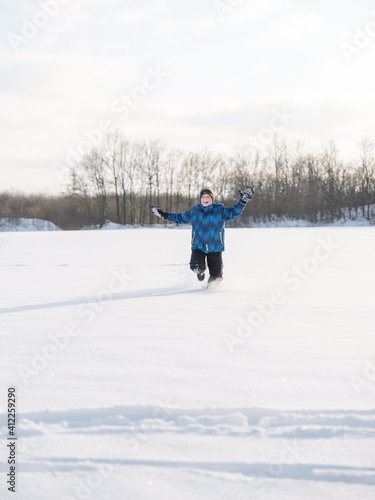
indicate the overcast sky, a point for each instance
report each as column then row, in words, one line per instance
column 202, row 73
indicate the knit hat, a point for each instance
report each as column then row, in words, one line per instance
column 207, row 190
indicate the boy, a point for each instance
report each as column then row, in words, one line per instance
column 208, row 220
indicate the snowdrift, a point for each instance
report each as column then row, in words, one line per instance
column 21, row 224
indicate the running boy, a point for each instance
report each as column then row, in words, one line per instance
column 208, row 220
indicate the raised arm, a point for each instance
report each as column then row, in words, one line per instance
column 234, row 212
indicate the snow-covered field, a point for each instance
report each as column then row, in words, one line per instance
column 133, row 382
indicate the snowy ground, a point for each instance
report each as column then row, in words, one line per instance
column 134, row 382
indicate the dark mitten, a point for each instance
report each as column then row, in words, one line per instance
column 157, row 211
column 246, row 194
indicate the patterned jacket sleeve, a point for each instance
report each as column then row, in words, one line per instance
column 234, row 212
column 182, row 218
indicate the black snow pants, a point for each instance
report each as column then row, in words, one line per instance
column 199, row 261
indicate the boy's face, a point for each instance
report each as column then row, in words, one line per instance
column 206, row 200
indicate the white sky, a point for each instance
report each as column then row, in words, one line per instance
column 225, row 75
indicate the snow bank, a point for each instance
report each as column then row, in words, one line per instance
column 107, row 225
column 350, row 218
column 20, row 224
column 285, row 222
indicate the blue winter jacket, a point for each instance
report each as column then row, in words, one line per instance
column 208, row 224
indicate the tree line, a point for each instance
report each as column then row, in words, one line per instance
column 120, row 180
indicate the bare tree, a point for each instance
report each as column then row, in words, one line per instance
column 152, row 166
column 95, row 172
column 79, row 189
column 366, row 175
column 111, row 158
column 172, row 167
